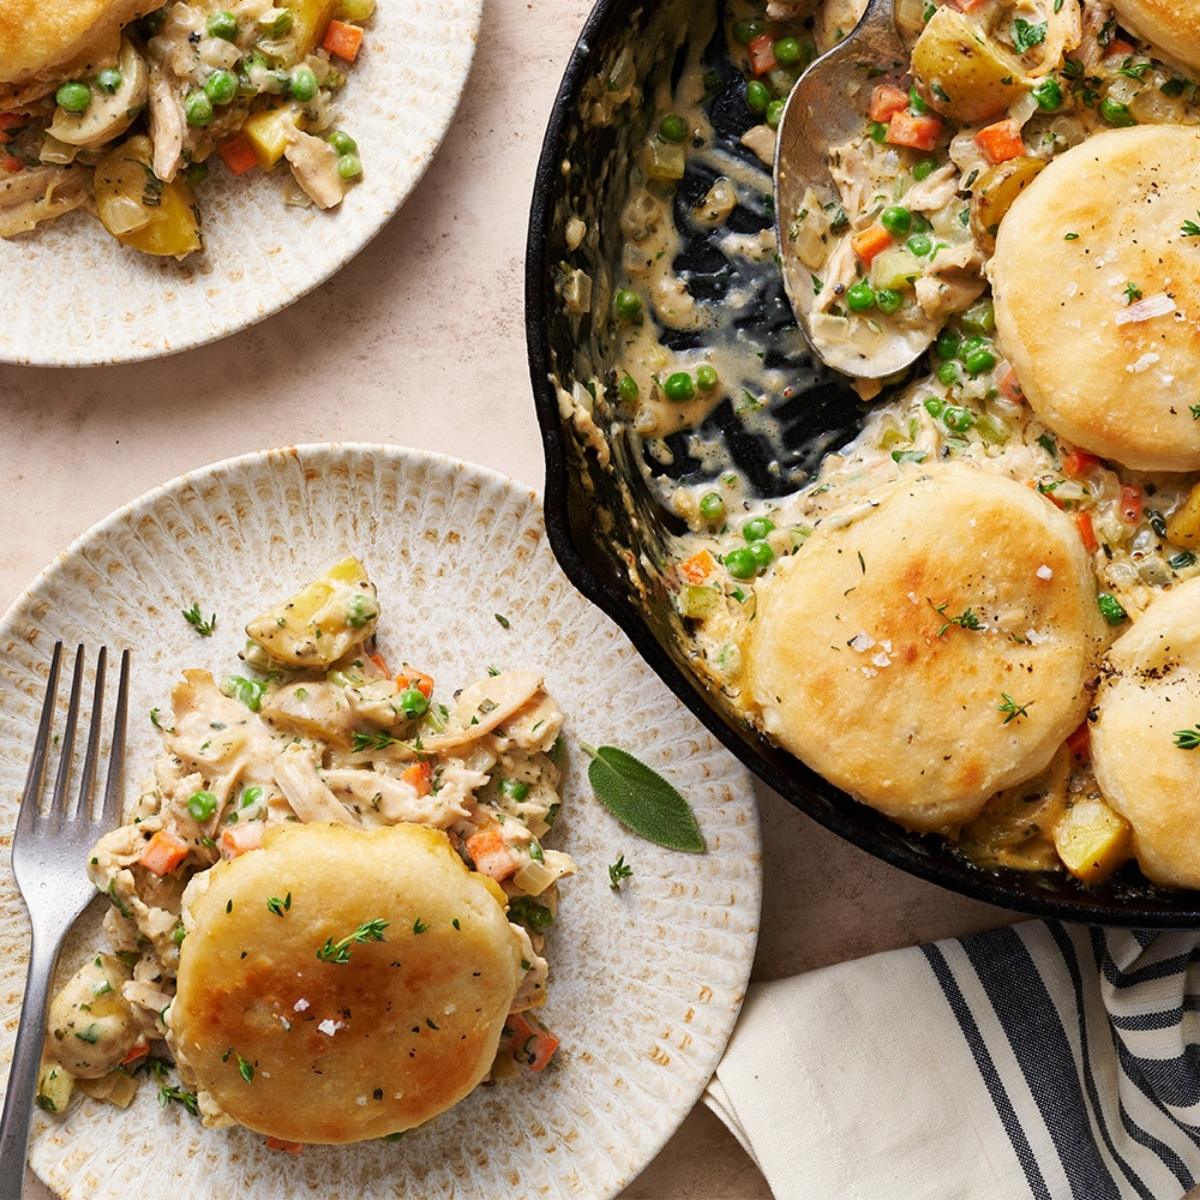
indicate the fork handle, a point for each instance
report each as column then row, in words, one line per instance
column 26, row 1061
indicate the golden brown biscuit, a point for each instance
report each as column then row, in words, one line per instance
column 932, row 649
column 279, row 1035
column 1171, row 25
column 1151, row 689
column 39, row 36
column 1097, row 294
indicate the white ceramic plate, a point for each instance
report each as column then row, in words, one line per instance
column 645, row 984
column 84, row 299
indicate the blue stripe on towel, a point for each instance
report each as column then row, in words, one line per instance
column 987, row 1069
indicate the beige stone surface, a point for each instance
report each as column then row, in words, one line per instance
column 420, row 341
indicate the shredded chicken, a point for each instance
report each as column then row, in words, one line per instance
column 296, row 775
column 933, row 192
column 40, row 194
column 952, row 282
column 314, row 164
column 166, row 125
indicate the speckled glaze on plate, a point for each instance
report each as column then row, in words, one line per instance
column 82, row 299
column 645, row 984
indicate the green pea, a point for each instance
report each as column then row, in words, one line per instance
column 1048, row 95
column 678, row 386
column 1111, row 608
column 925, row 168
column 762, row 554
column 947, row 345
column 201, row 805
column 673, row 128
column 740, row 563
column 513, row 789
column 896, row 219
column 947, row 373
column 1116, row 113
column 788, row 51
column 109, row 80
column 712, row 507
column 758, row 96
column 775, row 112
column 349, row 166
column 197, row 108
column 968, row 346
column 919, row 244
column 980, row 361
column 179, row 934
column 627, row 305
column 196, row 172
column 878, row 131
column 917, row 102
column 757, row 528
column 958, row 420
column 860, row 296
column 934, row 405
column 73, row 97
column 746, row 31
column 706, row 377
column 889, row 300
column 221, row 86
column 342, row 142
column 303, row 84
column 627, row 389
column 413, row 703
column 223, row 25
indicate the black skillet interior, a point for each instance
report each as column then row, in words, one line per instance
column 605, row 523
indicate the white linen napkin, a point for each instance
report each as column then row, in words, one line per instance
column 1043, row 1061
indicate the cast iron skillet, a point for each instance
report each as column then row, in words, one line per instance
column 605, row 524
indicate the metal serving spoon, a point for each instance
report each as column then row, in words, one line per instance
column 818, row 115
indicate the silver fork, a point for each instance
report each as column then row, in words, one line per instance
column 48, row 863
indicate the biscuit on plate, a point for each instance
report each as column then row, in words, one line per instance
column 1150, row 689
column 1097, row 295
column 286, row 1027
column 931, row 647
column 54, row 38
column 1173, row 26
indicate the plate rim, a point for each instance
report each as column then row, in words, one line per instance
column 373, row 227
column 446, row 462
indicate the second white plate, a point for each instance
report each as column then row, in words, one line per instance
column 645, row 983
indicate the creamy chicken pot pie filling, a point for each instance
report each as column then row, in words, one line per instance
column 317, row 730
column 129, row 128
column 901, row 246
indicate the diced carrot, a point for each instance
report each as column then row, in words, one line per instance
column 918, row 132
column 10, row 120
column 762, row 54
column 238, row 154
column 886, row 100
column 140, row 1050
column 699, row 567
column 274, row 1143
column 379, row 661
column 12, row 163
column 1001, row 141
column 1083, row 522
column 491, row 854
column 343, row 40
column 1080, row 743
column 163, row 853
column 419, row 776
column 1078, row 463
column 532, row 1043
column 1131, row 504
column 969, row 5
column 1118, row 46
column 238, row 839
column 1010, row 387
column 867, row 243
column 410, row 677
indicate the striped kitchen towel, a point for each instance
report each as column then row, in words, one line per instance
column 1048, row 1061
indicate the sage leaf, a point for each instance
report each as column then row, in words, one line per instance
column 642, row 800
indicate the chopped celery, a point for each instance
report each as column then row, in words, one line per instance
column 697, row 601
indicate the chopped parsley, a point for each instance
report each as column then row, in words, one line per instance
column 419, row 926
column 1132, row 293
column 193, row 617
column 1190, row 228
column 967, row 619
column 279, row 907
column 339, row 952
column 1187, row 739
column 372, row 739
column 502, row 620
column 526, row 911
column 618, row 872
column 187, row 1099
column 1011, row 709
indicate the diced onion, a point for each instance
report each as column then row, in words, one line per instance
column 123, row 215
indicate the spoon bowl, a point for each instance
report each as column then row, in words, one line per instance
column 818, row 116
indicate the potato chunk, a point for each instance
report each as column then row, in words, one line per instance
column 312, row 19
column 1092, row 840
column 995, row 192
column 323, row 622
column 1183, row 526
column 964, row 74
